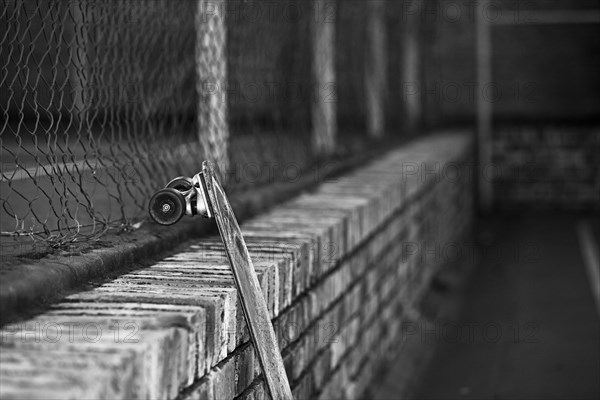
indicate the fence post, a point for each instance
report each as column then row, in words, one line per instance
column 78, row 67
column 211, row 78
column 324, row 101
column 484, row 106
column 376, row 68
column 411, row 82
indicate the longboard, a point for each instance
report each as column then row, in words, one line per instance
column 253, row 303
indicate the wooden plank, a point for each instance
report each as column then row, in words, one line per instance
column 252, row 300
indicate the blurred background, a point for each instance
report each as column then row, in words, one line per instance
column 104, row 101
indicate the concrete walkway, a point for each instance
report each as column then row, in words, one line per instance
column 528, row 327
column 539, row 330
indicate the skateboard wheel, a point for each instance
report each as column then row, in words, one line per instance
column 182, row 184
column 167, row 206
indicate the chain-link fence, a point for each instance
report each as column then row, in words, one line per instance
column 104, row 101
column 268, row 89
column 99, row 105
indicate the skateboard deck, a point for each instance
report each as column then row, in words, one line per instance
column 252, row 300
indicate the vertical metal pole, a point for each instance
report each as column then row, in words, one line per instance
column 211, row 68
column 324, row 107
column 376, row 68
column 411, row 82
column 78, row 71
column 484, row 105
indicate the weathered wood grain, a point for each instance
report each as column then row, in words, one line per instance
column 253, row 303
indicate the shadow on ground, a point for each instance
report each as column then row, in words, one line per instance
column 524, row 326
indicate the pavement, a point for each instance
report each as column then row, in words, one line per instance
column 527, row 327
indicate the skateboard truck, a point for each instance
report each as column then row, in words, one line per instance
column 203, row 195
column 182, row 196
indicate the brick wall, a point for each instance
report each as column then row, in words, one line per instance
column 546, row 167
column 341, row 268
